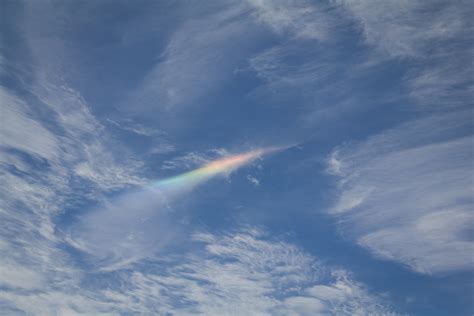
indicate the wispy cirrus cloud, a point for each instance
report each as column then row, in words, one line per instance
column 429, row 40
column 406, row 193
column 275, row 68
column 410, row 28
column 433, row 36
column 54, row 155
column 219, row 274
column 133, row 127
column 303, row 19
column 253, row 180
column 197, row 58
column 22, row 132
column 192, row 160
column 47, row 167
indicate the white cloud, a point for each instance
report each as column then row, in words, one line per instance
column 241, row 272
column 43, row 164
column 442, row 234
column 188, row 161
column 312, row 81
column 54, row 154
column 198, row 57
column 19, row 277
column 446, row 81
column 219, row 274
column 301, row 19
column 408, row 28
column 126, row 229
column 434, row 34
column 428, row 39
column 71, row 141
column 341, row 297
column 133, row 127
column 404, row 194
column 276, row 67
column 162, row 148
column 334, row 163
column 193, row 160
column 20, row 130
column 54, row 303
column 253, row 180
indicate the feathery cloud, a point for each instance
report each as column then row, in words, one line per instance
column 405, row 194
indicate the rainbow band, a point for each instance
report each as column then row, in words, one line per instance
column 210, row 170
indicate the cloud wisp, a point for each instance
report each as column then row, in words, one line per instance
column 406, row 194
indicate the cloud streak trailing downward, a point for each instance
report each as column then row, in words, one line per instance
column 221, row 166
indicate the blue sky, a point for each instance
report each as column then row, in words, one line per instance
column 367, row 210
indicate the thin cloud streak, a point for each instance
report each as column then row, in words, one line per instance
column 405, row 194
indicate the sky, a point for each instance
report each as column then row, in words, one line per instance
column 236, row 157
